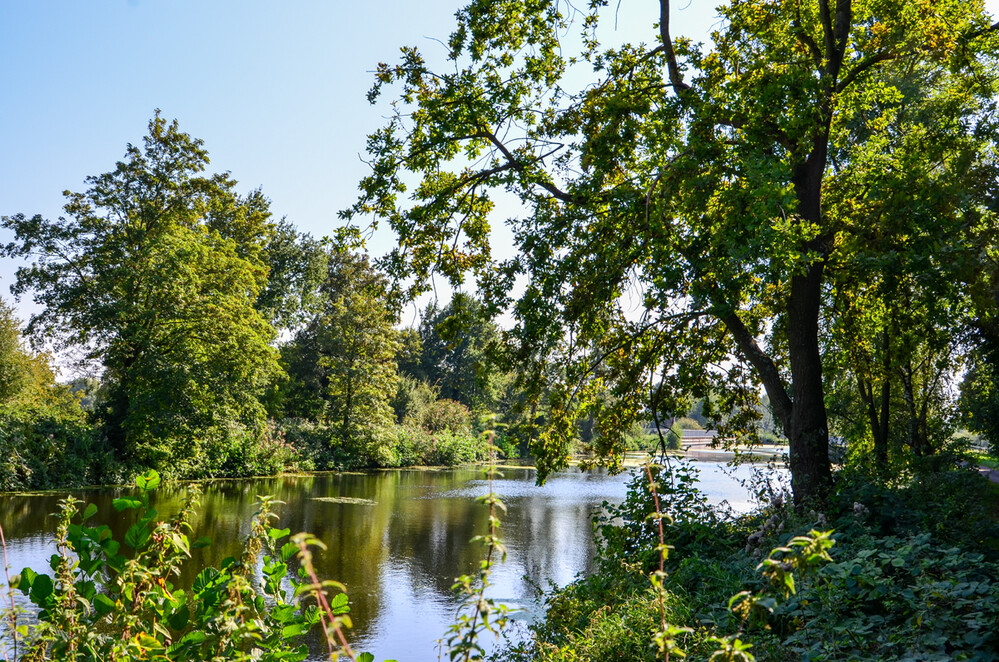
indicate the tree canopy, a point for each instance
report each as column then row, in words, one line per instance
column 154, row 272
column 341, row 363
column 725, row 188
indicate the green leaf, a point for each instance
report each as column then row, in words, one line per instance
column 283, row 613
column 312, row 615
column 294, row 630
column 90, row 511
column 204, row 579
column 148, row 481
column 338, row 605
column 41, row 590
column 179, row 619
column 103, row 605
column 288, row 550
column 27, row 577
column 137, row 535
column 277, row 534
column 365, row 657
column 126, row 503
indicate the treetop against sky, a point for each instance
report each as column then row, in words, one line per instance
column 276, row 91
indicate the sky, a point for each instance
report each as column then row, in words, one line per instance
column 276, row 90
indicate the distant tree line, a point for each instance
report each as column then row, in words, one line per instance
column 224, row 343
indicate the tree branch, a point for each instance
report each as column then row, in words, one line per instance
column 675, row 77
column 519, row 167
column 764, row 365
column 862, row 67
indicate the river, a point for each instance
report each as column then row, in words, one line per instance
column 399, row 540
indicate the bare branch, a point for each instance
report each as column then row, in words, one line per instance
column 675, row 77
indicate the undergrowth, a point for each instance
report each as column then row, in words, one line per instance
column 913, row 575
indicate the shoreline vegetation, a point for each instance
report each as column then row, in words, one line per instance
column 878, row 558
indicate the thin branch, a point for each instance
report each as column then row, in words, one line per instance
column 519, row 166
column 675, row 77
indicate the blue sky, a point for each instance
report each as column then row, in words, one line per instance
column 275, row 89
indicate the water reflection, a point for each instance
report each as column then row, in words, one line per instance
column 397, row 543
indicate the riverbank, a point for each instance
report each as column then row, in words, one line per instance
column 396, row 538
column 914, row 574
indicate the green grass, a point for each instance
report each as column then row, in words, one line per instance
column 984, row 460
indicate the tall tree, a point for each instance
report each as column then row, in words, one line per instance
column 455, row 342
column 154, row 272
column 717, row 185
column 342, row 363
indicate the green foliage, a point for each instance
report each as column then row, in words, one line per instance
column 154, row 272
column 687, row 423
column 660, row 167
column 417, row 446
column 14, row 369
column 898, row 598
column 443, row 415
column 698, row 602
column 342, row 363
column 43, row 450
column 914, row 574
column 980, row 399
column 412, row 397
column 45, row 441
column 456, row 349
column 115, row 599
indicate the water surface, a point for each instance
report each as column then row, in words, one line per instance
column 398, row 544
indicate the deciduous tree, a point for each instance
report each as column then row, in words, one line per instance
column 154, row 272
column 717, row 186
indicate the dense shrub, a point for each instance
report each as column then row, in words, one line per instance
column 444, row 415
column 43, row 450
column 898, row 598
column 412, row 397
column 915, row 576
column 416, row 446
column 687, row 423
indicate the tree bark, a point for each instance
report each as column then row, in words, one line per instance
column 808, row 431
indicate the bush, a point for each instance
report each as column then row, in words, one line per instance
column 898, row 598
column 316, row 442
column 687, row 423
column 39, row 450
column 445, row 415
column 416, row 446
column 412, row 397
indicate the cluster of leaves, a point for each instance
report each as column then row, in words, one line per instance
column 914, row 575
column 45, row 440
column 898, row 598
column 116, row 599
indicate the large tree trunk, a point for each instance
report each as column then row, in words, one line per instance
column 806, row 428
